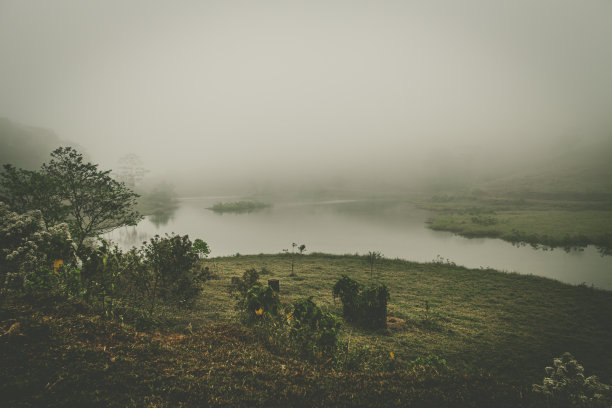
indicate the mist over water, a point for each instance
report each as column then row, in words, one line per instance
column 235, row 95
column 398, row 230
column 325, row 100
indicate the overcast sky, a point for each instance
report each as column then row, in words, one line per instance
column 265, row 87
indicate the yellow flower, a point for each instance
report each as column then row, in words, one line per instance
column 259, row 311
column 392, row 355
column 56, row 264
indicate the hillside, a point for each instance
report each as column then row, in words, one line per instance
column 27, row 146
column 495, row 332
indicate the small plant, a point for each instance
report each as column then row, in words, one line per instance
column 314, row 332
column 364, row 306
column 566, row 386
column 240, row 286
column 301, row 248
column 373, row 257
column 260, row 301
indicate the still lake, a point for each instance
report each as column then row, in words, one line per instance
column 397, row 230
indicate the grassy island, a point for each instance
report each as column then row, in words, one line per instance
column 239, row 206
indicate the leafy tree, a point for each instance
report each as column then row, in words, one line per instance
column 200, row 248
column 27, row 190
column 96, row 203
column 67, row 189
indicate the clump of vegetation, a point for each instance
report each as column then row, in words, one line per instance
column 239, row 286
column 365, row 306
column 36, row 256
column 167, row 271
column 260, row 300
column 239, row 206
column 565, row 385
column 67, row 189
column 313, row 331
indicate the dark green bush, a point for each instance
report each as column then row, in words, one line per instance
column 260, row 300
column 168, row 272
column 348, row 291
column 366, row 307
column 313, row 331
column 240, row 286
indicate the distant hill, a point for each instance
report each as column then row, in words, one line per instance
column 27, row 146
column 585, row 168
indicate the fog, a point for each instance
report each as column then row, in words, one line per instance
column 255, row 94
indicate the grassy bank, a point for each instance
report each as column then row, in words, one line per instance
column 553, row 219
column 550, row 228
column 496, row 331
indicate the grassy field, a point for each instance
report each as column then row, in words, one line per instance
column 508, row 324
column 555, row 219
column 550, row 228
column 497, row 332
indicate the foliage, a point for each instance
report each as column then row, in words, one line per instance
column 167, row 271
column 27, row 190
column 260, row 301
column 364, row 306
column 66, row 189
column 200, row 248
column 104, row 270
column 240, row 286
column 313, row 331
column 373, row 306
column 96, row 202
column 565, row 385
column 28, row 249
column 348, row 290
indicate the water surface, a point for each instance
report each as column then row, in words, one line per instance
column 398, row 230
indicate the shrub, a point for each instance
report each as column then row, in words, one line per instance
column 31, row 252
column 313, row 331
column 364, row 306
column 373, row 306
column 102, row 270
column 566, row 386
column 259, row 301
column 168, row 269
column 240, row 286
column 348, row 291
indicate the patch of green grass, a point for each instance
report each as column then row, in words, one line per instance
column 554, row 228
column 496, row 331
column 507, row 324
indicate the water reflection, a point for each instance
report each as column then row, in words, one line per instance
column 162, row 218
